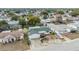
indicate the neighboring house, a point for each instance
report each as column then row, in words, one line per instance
column 20, row 14
column 5, row 18
column 59, row 18
column 64, row 18
column 45, row 21
column 8, row 36
column 37, row 13
column 14, row 24
column 74, row 25
column 62, row 28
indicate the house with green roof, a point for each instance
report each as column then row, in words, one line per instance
column 35, row 32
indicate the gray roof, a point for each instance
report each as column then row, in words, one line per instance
column 59, row 28
column 76, row 23
column 13, row 22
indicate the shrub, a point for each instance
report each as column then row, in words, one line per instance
column 27, row 39
column 53, row 33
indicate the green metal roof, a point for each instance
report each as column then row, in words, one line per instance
column 37, row 30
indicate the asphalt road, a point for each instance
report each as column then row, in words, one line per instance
column 66, row 46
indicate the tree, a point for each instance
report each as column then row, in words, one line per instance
column 33, row 20
column 11, row 14
column 44, row 14
column 60, row 12
column 53, row 33
column 26, row 39
column 17, row 11
column 75, row 13
column 15, row 17
column 29, row 15
column 22, row 22
column 3, row 24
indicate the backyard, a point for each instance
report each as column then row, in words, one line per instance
column 16, row 46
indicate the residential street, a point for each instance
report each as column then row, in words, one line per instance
column 66, row 46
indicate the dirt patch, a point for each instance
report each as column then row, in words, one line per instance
column 72, row 35
column 16, row 46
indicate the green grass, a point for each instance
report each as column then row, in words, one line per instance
column 53, row 33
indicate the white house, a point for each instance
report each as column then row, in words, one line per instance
column 74, row 25
column 62, row 28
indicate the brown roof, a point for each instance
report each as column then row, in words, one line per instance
column 13, row 33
